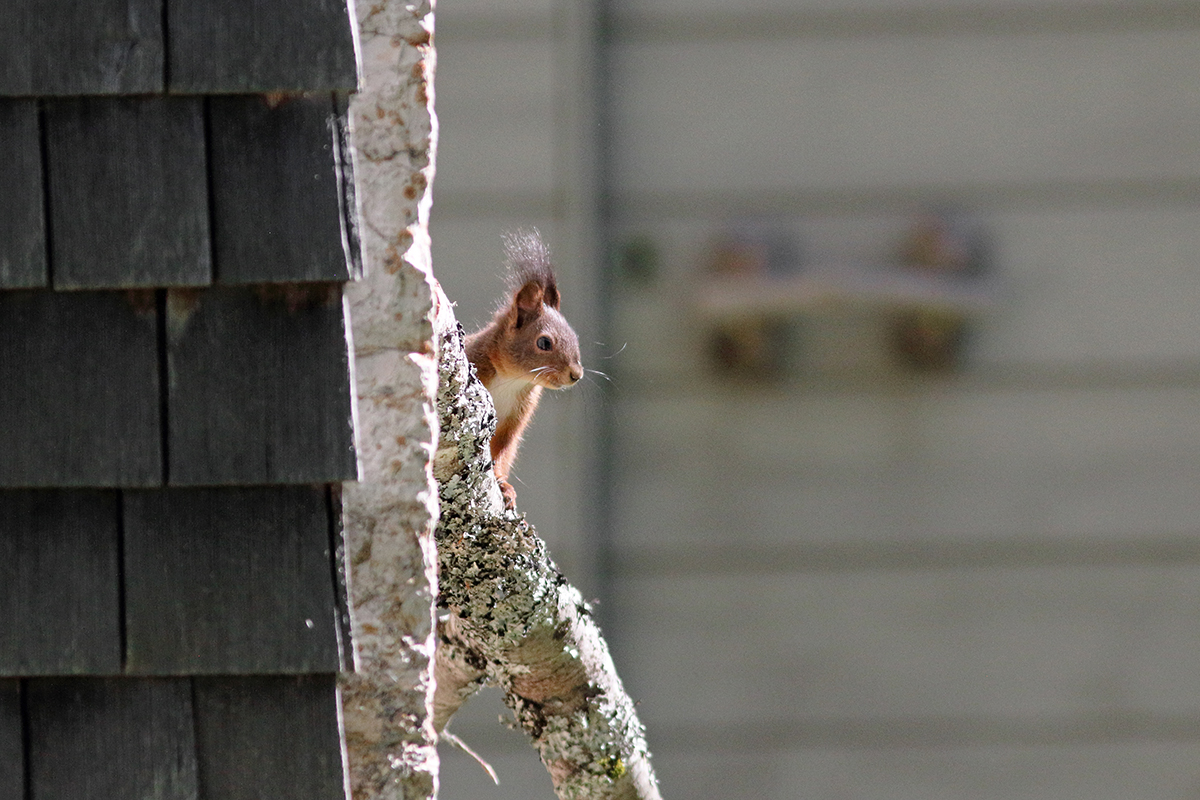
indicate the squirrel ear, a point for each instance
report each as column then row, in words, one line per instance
column 551, row 296
column 528, row 302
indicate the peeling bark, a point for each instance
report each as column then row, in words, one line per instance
column 389, row 513
column 513, row 620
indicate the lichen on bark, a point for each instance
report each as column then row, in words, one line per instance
column 511, row 619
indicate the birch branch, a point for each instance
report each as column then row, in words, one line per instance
column 389, row 513
column 512, row 620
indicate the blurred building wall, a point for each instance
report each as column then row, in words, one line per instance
column 848, row 580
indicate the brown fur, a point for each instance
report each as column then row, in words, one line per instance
column 506, row 354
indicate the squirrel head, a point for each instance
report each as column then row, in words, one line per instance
column 539, row 344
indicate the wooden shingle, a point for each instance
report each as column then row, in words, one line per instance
column 97, row 47
column 128, row 198
column 254, row 46
column 111, row 738
column 79, row 389
column 243, row 756
column 260, row 386
column 59, row 583
column 230, row 580
column 22, row 229
column 276, row 210
column 12, row 750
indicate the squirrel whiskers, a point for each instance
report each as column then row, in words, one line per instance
column 528, row 346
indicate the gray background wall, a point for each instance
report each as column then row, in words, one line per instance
column 854, row 582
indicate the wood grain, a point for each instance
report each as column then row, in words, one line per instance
column 12, row 749
column 59, row 583
column 269, row 737
column 22, row 228
column 260, row 46
column 79, row 389
column 101, row 738
column 260, row 387
column 276, row 208
column 128, row 199
column 232, row 581
column 97, row 47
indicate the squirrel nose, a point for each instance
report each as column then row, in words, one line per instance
column 576, row 373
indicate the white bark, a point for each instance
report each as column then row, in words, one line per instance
column 389, row 514
column 513, row 620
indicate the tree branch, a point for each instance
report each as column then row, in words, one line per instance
column 513, row 620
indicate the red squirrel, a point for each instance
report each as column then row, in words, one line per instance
column 528, row 346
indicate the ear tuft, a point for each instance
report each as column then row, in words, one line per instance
column 528, row 261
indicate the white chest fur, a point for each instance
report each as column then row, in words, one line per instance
column 509, row 396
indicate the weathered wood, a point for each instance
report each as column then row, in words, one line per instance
column 22, row 229
column 59, row 583
column 79, row 389
column 343, row 153
column 128, row 197
column 260, row 386
column 97, row 47
column 260, row 46
column 101, row 738
column 230, row 581
column 276, row 211
column 269, row 736
column 12, row 749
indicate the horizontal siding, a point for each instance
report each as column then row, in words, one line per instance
column 1089, row 285
column 954, row 466
column 1022, row 646
column 495, row 117
column 683, row 9
column 266, row 346
column 275, row 199
column 1152, row 771
column 893, row 111
column 242, row 754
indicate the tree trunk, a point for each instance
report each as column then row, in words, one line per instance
column 389, row 513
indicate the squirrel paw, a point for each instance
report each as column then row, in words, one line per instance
column 510, row 495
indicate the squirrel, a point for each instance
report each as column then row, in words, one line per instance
column 528, row 346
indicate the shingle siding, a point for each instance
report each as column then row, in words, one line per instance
column 170, row 446
column 22, row 226
column 60, row 582
column 79, row 389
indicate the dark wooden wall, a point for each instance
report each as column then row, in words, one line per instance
column 175, row 409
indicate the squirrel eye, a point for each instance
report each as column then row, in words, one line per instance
column 544, row 343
